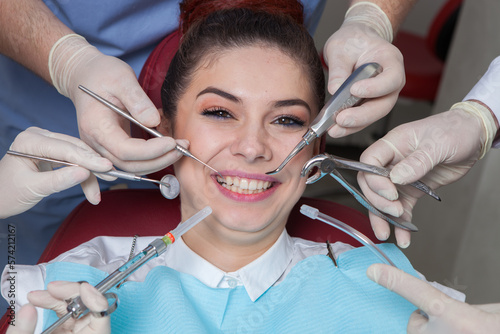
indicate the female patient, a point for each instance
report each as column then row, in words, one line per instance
column 243, row 88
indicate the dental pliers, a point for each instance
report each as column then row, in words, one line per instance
column 328, row 164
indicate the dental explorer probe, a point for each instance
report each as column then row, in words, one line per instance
column 155, row 133
column 76, row 307
column 115, row 173
column 342, row 99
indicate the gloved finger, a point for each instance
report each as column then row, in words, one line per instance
column 25, row 321
column 110, row 135
column 134, row 100
column 417, row 323
column 380, row 185
column 382, row 153
column 105, row 177
column 48, row 144
column 340, row 64
column 45, row 300
column 490, row 308
column 421, row 294
column 47, row 183
column 91, row 189
column 151, row 166
column 384, row 190
column 337, row 74
column 413, row 167
column 380, row 227
column 96, row 302
column 366, row 113
column 403, row 237
column 390, row 80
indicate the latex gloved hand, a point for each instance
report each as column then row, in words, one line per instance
column 23, row 185
column 364, row 37
column 437, row 150
column 74, row 62
column 54, row 298
column 446, row 315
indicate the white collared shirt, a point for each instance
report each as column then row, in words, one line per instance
column 257, row 276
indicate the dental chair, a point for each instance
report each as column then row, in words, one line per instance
column 145, row 212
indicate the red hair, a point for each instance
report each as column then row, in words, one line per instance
column 194, row 10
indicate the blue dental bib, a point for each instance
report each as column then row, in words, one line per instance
column 315, row 297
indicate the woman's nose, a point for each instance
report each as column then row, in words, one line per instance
column 252, row 143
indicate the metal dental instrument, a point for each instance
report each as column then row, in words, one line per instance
column 327, row 162
column 76, row 308
column 145, row 128
column 342, row 99
column 314, row 213
column 168, row 181
column 327, row 166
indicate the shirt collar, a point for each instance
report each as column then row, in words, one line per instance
column 256, row 277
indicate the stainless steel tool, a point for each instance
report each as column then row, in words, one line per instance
column 342, row 99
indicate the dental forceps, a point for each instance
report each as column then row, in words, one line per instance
column 76, row 308
column 342, row 99
column 328, row 164
column 155, row 133
column 169, row 186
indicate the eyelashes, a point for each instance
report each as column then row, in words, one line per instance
column 289, row 121
column 217, row 113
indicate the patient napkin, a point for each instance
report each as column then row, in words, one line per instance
column 315, row 297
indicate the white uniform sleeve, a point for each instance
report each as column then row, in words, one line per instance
column 487, row 90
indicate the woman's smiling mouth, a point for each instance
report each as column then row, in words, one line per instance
column 244, row 186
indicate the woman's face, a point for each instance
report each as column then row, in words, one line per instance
column 243, row 113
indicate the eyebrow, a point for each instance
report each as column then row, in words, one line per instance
column 291, row 103
column 219, row 92
column 277, row 104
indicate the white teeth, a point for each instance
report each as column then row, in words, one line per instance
column 244, row 186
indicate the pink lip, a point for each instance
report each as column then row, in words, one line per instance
column 248, row 197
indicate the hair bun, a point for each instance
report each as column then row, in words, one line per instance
column 194, row 10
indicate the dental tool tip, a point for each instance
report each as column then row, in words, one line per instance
column 409, row 226
column 292, row 154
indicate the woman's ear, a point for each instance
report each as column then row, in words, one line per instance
column 165, row 126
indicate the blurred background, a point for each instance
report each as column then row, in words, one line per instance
column 447, row 46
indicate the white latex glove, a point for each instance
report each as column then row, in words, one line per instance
column 22, row 183
column 25, row 321
column 74, row 62
column 54, row 298
column 437, row 150
column 446, row 315
column 364, row 37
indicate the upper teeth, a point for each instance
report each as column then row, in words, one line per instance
column 243, row 185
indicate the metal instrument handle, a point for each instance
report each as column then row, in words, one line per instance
column 342, row 99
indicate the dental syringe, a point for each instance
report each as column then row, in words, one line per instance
column 76, row 307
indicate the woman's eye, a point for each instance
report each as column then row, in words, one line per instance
column 289, row 121
column 217, row 113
